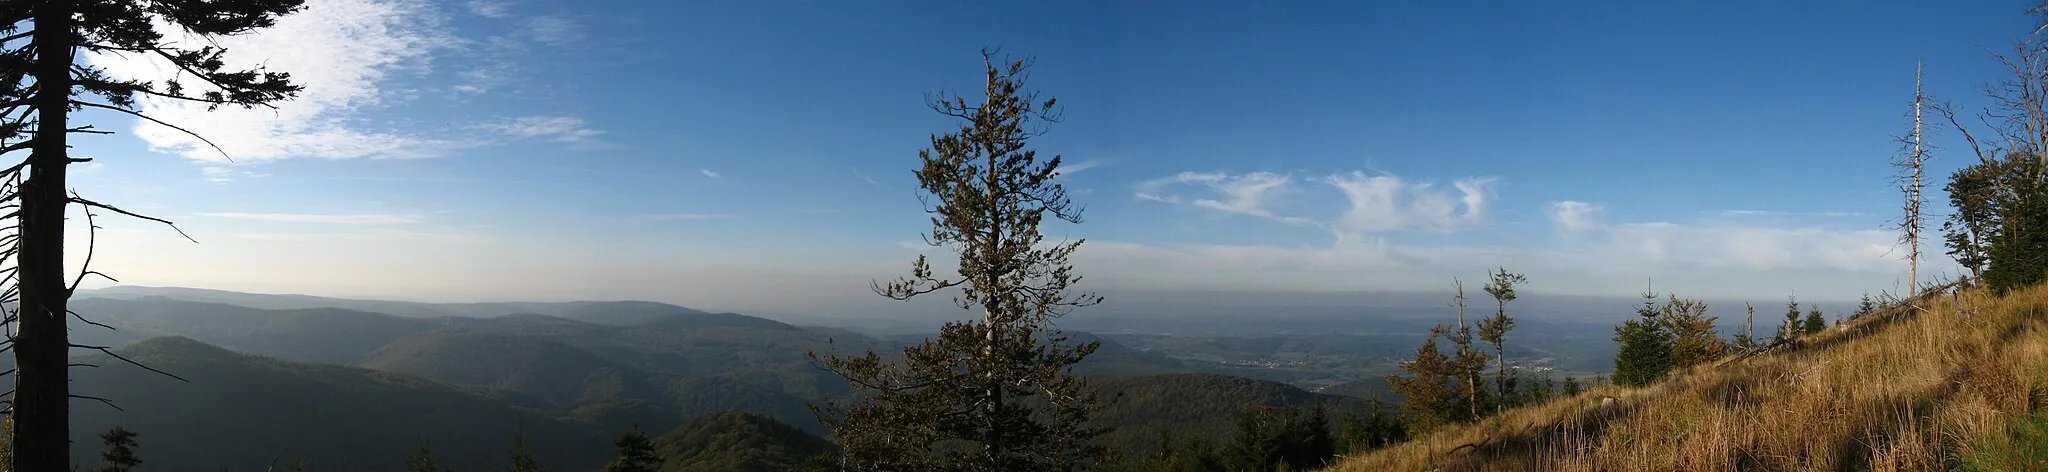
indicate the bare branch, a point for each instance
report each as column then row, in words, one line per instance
column 209, row 142
column 174, row 226
column 110, row 352
column 110, row 403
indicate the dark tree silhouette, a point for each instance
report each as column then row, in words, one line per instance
column 421, row 459
column 41, row 84
column 995, row 393
column 636, row 453
column 119, row 455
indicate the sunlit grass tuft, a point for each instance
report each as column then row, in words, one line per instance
column 1955, row 383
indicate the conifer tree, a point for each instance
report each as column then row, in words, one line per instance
column 636, row 453
column 422, row 459
column 998, row 386
column 1645, row 354
column 1865, row 307
column 1815, row 322
column 1748, row 339
column 42, row 82
column 1791, row 327
column 1430, row 391
column 119, row 455
column 523, row 459
column 1693, row 339
column 1571, row 386
column 1494, row 330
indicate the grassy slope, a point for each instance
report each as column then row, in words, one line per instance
column 1959, row 386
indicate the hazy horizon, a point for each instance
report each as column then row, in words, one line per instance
column 490, row 150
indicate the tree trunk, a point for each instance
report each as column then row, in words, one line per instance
column 1501, row 384
column 42, row 394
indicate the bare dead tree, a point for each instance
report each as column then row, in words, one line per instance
column 1911, row 164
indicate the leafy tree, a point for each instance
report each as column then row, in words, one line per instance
column 1646, row 346
column 119, row 455
column 1693, row 339
column 1815, row 323
column 422, row 459
column 994, row 393
column 42, row 81
column 1973, row 223
column 1495, row 329
column 523, row 459
column 636, row 453
column 1430, row 396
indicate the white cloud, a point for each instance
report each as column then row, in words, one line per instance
column 1067, row 169
column 709, row 173
column 341, row 51
column 691, row 216
column 1248, row 194
column 378, row 237
column 348, row 219
column 554, row 30
column 1770, row 213
column 1387, row 202
column 344, row 53
column 490, row 8
column 1376, row 203
column 1724, row 244
column 864, row 177
column 1576, row 216
column 566, row 129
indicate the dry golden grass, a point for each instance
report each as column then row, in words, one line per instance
column 1955, row 384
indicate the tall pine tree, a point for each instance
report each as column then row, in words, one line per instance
column 42, row 82
column 994, row 393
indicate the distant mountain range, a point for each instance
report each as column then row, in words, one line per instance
column 356, row 384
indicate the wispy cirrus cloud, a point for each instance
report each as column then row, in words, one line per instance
column 490, row 8
column 376, row 236
column 1246, row 194
column 567, row 129
column 1388, row 202
column 691, row 216
column 711, row 174
column 323, row 218
column 1376, row 203
column 1789, row 214
column 1067, row 169
column 346, row 54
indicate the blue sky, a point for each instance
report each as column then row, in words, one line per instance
column 757, row 155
